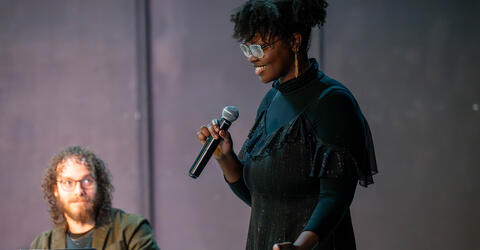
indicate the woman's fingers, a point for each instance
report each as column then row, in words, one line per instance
column 284, row 246
column 225, row 135
column 204, row 132
column 215, row 125
column 213, row 131
column 201, row 137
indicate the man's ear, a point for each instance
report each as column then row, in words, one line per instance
column 296, row 42
column 55, row 190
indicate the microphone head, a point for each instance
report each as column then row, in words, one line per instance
column 230, row 113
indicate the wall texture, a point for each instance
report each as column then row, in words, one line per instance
column 67, row 76
column 413, row 66
column 73, row 72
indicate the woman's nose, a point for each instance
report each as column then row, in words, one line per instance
column 252, row 59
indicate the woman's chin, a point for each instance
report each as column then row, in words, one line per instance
column 265, row 79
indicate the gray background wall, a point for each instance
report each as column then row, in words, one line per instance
column 73, row 72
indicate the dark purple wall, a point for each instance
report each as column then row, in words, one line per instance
column 72, row 72
column 414, row 67
column 67, row 76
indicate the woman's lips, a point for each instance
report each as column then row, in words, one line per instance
column 259, row 69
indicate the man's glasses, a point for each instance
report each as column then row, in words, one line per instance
column 255, row 50
column 68, row 184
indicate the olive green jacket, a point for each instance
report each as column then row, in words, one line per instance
column 125, row 231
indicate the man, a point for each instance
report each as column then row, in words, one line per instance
column 78, row 189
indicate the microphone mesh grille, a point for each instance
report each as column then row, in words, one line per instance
column 230, row 113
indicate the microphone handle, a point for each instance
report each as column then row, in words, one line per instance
column 207, row 151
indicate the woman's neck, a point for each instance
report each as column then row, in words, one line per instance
column 303, row 65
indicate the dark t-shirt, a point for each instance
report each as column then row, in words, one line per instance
column 77, row 241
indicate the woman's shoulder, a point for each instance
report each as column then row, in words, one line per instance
column 334, row 97
column 334, row 113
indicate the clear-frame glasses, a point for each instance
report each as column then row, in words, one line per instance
column 68, row 184
column 255, row 50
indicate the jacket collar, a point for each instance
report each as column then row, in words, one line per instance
column 58, row 238
column 100, row 233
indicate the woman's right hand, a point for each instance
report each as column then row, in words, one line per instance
column 225, row 147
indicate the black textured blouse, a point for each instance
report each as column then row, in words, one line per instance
column 302, row 159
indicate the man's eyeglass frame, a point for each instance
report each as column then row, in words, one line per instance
column 83, row 183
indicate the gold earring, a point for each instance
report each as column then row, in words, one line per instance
column 296, row 65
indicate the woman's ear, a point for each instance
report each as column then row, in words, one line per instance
column 296, row 42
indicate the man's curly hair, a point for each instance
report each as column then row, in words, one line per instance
column 279, row 18
column 103, row 197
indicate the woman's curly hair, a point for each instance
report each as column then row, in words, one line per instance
column 279, row 18
column 103, row 197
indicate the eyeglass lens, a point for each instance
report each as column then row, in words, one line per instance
column 253, row 49
column 256, row 50
column 69, row 184
column 245, row 50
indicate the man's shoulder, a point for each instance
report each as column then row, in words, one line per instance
column 123, row 218
column 134, row 227
column 42, row 240
column 44, row 235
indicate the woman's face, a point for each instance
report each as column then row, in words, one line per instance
column 277, row 61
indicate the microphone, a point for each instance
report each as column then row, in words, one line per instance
column 229, row 115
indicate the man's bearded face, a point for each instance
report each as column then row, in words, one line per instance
column 76, row 191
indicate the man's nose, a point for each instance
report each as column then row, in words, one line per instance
column 79, row 189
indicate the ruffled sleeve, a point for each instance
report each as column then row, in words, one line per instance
column 342, row 133
column 343, row 156
column 337, row 188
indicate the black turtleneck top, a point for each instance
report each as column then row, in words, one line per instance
column 302, row 159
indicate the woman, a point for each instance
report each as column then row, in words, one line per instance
column 310, row 144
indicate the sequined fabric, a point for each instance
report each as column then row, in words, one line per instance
column 278, row 172
column 285, row 164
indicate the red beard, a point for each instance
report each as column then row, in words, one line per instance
column 82, row 214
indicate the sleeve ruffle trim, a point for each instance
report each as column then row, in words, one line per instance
column 331, row 162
